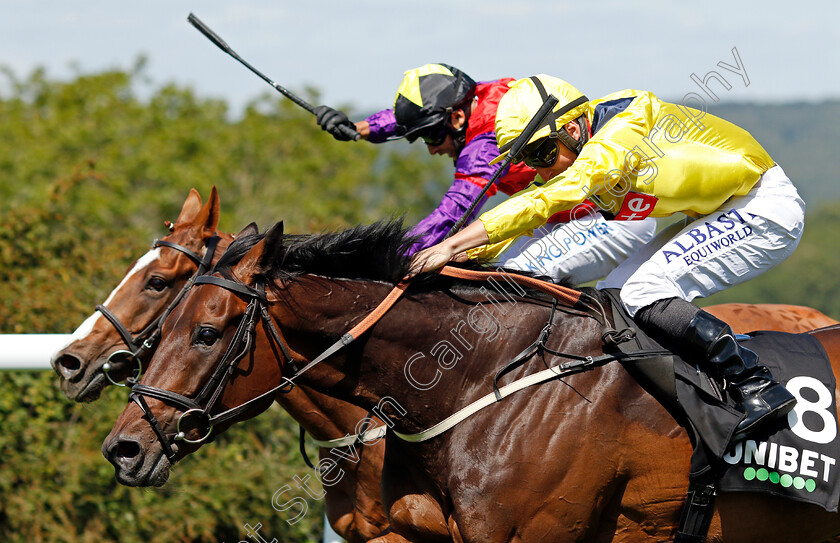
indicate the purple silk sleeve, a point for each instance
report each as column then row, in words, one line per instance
column 455, row 202
column 382, row 125
column 474, row 160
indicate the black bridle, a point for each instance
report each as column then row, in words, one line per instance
column 240, row 345
column 146, row 339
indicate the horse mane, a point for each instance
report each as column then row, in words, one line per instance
column 374, row 252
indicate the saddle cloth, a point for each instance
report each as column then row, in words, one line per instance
column 795, row 459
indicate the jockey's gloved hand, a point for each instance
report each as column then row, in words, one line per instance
column 330, row 119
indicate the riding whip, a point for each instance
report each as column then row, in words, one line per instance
column 518, row 144
column 220, row 43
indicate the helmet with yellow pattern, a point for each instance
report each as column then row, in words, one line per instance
column 425, row 99
column 522, row 102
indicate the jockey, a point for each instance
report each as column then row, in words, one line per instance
column 455, row 116
column 636, row 156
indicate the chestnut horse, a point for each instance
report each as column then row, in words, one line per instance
column 146, row 293
column 745, row 318
column 109, row 345
column 614, row 464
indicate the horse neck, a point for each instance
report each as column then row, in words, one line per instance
column 424, row 327
column 322, row 416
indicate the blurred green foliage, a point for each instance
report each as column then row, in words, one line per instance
column 88, row 174
column 58, row 488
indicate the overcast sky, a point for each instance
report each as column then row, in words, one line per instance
column 355, row 51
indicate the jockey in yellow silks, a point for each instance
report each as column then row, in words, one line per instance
column 646, row 157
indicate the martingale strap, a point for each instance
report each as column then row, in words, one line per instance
column 369, row 435
column 578, row 365
column 374, row 434
column 527, row 353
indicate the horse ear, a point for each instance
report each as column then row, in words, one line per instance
column 274, row 237
column 273, row 244
column 253, row 260
column 208, row 217
column 191, row 207
column 250, row 230
column 249, row 264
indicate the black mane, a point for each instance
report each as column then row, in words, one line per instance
column 375, row 251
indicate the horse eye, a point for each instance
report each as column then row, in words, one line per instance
column 207, row 336
column 156, row 283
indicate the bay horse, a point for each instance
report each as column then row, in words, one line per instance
column 614, row 463
column 119, row 337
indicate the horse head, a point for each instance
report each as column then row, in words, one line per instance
column 210, row 360
column 116, row 341
column 218, row 357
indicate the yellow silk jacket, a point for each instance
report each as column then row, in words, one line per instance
column 687, row 160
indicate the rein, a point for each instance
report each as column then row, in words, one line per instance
column 244, row 336
column 151, row 333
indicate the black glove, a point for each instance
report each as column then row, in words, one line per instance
column 332, row 120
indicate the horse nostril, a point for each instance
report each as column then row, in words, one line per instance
column 126, row 450
column 69, row 365
column 125, row 454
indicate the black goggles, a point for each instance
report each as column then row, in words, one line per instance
column 541, row 153
column 434, row 135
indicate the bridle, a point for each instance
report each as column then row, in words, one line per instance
column 239, row 346
column 237, row 349
column 145, row 340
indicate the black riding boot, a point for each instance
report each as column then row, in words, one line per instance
column 700, row 335
column 749, row 383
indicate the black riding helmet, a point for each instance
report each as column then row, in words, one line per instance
column 426, row 97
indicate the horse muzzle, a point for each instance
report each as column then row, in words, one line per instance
column 136, row 464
